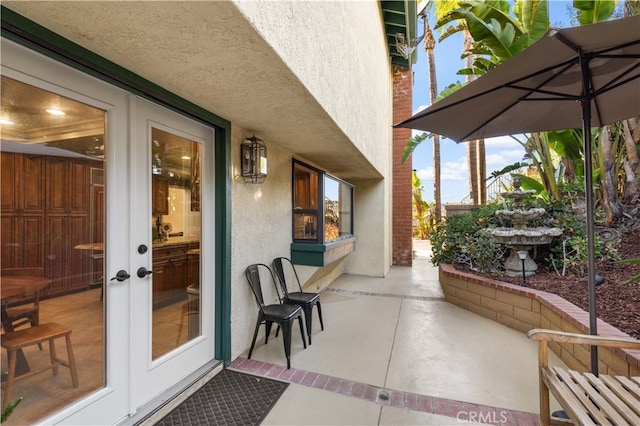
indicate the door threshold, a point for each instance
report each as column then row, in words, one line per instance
column 163, row 404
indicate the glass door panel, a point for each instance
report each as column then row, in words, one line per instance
column 176, row 234
column 53, row 229
column 173, row 333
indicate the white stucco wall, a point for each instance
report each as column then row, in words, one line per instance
column 337, row 49
column 373, row 212
column 260, row 232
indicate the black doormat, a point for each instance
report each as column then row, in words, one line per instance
column 230, row 398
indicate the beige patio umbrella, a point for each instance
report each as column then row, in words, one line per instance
column 580, row 77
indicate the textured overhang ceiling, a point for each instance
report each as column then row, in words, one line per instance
column 208, row 54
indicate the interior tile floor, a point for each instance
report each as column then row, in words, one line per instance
column 395, row 352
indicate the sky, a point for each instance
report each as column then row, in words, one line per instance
column 500, row 152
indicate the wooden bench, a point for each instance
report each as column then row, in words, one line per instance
column 585, row 398
column 18, row 340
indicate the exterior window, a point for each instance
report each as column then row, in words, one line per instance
column 338, row 203
column 322, row 206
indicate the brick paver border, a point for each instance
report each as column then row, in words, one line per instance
column 376, row 294
column 465, row 412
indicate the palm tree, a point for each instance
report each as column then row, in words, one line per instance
column 437, row 9
column 631, row 132
column 429, row 46
column 476, row 155
column 499, row 30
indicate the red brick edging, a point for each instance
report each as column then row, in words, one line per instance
column 465, row 412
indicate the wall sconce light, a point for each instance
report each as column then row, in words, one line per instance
column 522, row 254
column 253, row 154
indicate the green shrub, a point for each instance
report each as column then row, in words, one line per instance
column 568, row 254
column 462, row 240
column 11, row 405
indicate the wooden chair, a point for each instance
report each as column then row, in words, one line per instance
column 25, row 310
column 18, row 340
column 585, row 398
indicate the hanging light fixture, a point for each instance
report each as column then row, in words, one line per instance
column 253, row 154
column 404, row 46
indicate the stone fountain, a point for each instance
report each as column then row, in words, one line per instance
column 520, row 237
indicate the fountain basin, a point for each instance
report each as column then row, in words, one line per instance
column 524, row 237
column 519, row 216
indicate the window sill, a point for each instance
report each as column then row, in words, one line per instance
column 322, row 254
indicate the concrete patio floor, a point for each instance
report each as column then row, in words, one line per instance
column 394, row 352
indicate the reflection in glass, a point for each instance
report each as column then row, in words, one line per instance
column 175, row 225
column 310, row 187
column 53, row 210
column 337, row 209
column 305, row 201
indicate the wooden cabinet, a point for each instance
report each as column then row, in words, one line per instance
column 97, row 221
column 67, row 203
column 67, row 268
column 172, row 272
column 160, row 192
column 45, row 214
column 23, row 210
column 67, row 187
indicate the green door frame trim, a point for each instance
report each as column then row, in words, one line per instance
column 25, row 32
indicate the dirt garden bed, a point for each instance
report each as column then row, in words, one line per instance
column 617, row 304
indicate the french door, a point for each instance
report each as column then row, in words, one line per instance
column 117, row 214
column 171, row 333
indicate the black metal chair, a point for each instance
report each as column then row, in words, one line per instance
column 303, row 299
column 280, row 313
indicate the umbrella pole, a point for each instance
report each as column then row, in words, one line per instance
column 588, row 186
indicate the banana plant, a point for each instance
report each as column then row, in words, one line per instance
column 498, row 31
column 422, row 211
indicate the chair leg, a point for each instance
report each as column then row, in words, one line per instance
column 34, row 321
column 52, row 354
column 308, row 308
column 304, row 343
column 72, row 362
column 255, row 334
column 320, row 315
column 545, row 409
column 286, row 338
column 8, row 390
column 267, row 332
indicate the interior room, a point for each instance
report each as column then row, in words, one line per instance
column 54, row 231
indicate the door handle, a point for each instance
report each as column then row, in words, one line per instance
column 121, row 275
column 143, row 272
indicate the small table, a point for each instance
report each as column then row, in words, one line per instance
column 90, row 246
column 13, row 286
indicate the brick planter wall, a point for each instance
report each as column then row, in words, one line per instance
column 522, row 309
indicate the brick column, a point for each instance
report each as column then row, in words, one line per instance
column 401, row 186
